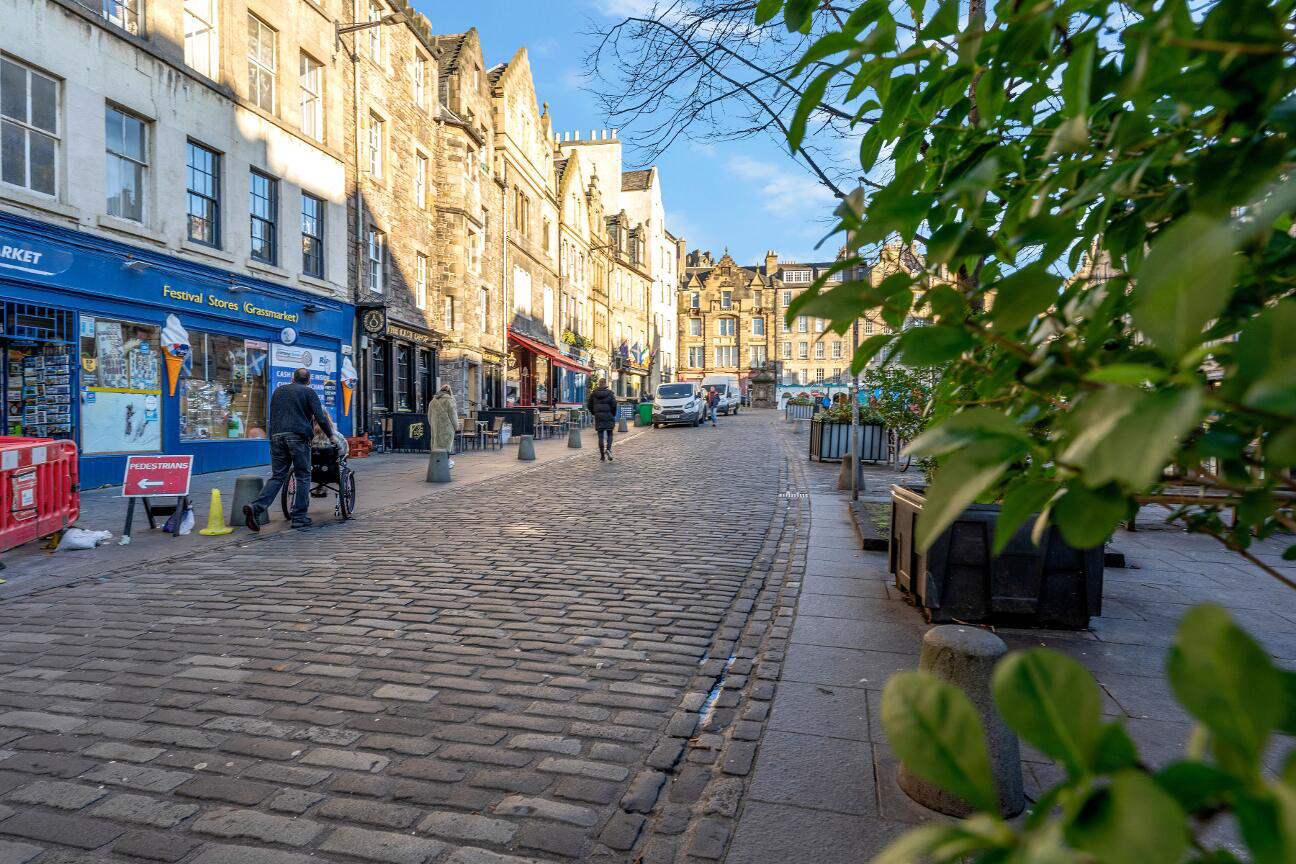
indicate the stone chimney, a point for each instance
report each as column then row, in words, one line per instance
column 771, row 263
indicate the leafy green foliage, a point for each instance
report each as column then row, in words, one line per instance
column 1110, row 807
column 1101, row 201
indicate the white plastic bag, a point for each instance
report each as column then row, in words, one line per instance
column 187, row 523
column 80, row 538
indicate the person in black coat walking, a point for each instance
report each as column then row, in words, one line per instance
column 602, row 403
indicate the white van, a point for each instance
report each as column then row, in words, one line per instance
column 676, row 403
column 727, row 386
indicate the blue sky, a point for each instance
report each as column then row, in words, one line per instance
column 748, row 195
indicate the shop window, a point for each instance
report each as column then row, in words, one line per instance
column 264, row 191
column 312, row 236
column 380, row 376
column 121, row 381
column 203, row 172
column 224, row 395
column 127, row 161
column 29, row 128
column 404, row 379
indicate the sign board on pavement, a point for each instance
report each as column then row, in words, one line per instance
column 157, row 475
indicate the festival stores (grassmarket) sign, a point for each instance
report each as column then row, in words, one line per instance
column 209, row 300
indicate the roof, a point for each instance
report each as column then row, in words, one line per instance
column 450, row 46
column 560, row 168
column 635, row 181
column 496, row 71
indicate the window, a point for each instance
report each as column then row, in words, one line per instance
column 312, row 102
column 419, row 74
column 803, row 350
column 695, row 326
column 837, row 373
column 474, row 253
column 420, row 280
column 548, row 306
column 374, row 145
column 837, row 350
column 803, row 377
column 787, row 298
column 787, row 328
column 200, row 36
column 787, row 350
column 819, row 325
column 758, row 326
column 548, row 226
column 121, row 379
column 374, row 250
column 868, row 328
column 448, row 312
column 819, row 350
column 404, row 378
column 726, row 355
column 795, row 276
column 803, row 324
column 484, row 308
column 127, row 147
column 725, row 327
column 425, row 378
column 264, row 192
column 759, row 356
column 203, row 172
column 381, row 374
column 312, row 236
column 819, row 374
column 123, row 13
column 28, row 128
column 224, row 394
column 375, row 33
column 726, row 299
column 695, row 300
column 521, row 291
column 262, row 63
column 420, row 180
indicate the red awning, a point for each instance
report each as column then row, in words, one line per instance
column 552, row 353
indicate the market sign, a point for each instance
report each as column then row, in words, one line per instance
column 32, row 256
column 210, row 300
column 157, row 475
column 409, row 335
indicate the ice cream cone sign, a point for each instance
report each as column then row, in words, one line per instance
column 349, row 377
column 175, row 348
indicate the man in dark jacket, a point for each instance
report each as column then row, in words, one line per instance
column 602, row 403
column 292, row 409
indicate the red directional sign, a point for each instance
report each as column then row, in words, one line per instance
column 157, row 475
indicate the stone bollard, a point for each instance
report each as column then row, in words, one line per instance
column 526, row 448
column 621, row 425
column 573, row 437
column 247, row 488
column 844, row 475
column 438, row 470
column 965, row 657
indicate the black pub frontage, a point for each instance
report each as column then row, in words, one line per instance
column 400, row 372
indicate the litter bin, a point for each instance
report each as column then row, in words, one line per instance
column 645, row 413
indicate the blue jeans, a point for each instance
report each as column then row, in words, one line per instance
column 289, row 452
column 714, row 412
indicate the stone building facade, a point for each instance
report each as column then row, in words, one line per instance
column 725, row 316
column 391, row 105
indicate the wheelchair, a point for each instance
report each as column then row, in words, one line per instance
column 329, row 473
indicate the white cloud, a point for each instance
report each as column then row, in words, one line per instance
column 786, row 190
column 703, row 148
column 624, row 8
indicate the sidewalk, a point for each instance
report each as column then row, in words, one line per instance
column 382, row 481
column 825, row 786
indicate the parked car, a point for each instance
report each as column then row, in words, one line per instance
column 730, row 394
column 676, row 404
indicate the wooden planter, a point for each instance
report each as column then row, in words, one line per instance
column 829, row 440
column 959, row 579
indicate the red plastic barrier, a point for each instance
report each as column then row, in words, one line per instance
column 38, row 489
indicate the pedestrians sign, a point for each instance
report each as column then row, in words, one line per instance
column 157, row 475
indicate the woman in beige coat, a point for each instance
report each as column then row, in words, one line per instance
column 443, row 420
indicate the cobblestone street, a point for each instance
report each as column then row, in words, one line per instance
column 571, row 661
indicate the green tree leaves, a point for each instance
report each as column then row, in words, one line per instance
column 1131, row 820
column 935, row 731
column 1052, row 702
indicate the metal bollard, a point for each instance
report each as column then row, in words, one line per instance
column 621, row 425
column 526, row 448
column 965, row 657
column 247, row 488
column 573, row 437
column 438, row 470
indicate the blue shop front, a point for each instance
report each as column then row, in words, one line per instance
column 89, row 328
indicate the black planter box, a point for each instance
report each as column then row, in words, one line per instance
column 958, row 579
column 828, row 440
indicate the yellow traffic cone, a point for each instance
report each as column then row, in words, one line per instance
column 216, row 517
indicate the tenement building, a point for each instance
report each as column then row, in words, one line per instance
column 390, row 72
column 174, row 224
